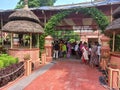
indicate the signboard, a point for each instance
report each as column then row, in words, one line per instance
column 82, row 28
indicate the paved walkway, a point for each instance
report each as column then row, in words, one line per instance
column 62, row 75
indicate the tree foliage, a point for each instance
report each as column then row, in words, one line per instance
column 35, row 3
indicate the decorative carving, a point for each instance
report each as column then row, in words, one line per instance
column 26, row 2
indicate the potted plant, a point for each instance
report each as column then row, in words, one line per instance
column 26, row 57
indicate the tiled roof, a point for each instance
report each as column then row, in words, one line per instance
column 69, row 6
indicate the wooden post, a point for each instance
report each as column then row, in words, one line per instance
column 11, row 40
column 30, row 40
column 111, row 11
column 28, row 67
column 98, row 36
column 38, row 42
column 113, row 47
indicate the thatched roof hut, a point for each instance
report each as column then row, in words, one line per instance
column 113, row 27
column 116, row 13
column 23, row 21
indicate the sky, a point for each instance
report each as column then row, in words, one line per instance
column 10, row 4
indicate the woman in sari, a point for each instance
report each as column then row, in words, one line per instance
column 94, row 57
column 68, row 50
column 85, row 53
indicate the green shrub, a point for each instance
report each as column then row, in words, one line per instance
column 8, row 60
column 17, row 60
column 5, row 61
column 12, row 60
column 4, row 55
column 1, row 64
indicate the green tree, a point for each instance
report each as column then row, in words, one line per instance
column 35, row 3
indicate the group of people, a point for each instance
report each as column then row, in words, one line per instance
column 91, row 53
column 88, row 53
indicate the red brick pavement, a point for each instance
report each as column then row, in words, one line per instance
column 68, row 75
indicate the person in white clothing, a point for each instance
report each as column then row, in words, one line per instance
column 76, row 50
column 55, row 49
column 85, row 53
column 99, row 51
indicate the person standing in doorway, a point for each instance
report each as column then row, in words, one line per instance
column 56, row 50
column 94, row 57
column 76, row 50
column 99, row 52
column 64, row 50
column 68, row 49
column 89, row 52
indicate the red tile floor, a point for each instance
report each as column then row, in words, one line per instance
column 68, row 75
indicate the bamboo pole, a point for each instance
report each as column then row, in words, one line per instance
column 38, row 43
column 30, row 40
column 113, row 47
column 11, row 40
column 111, row 11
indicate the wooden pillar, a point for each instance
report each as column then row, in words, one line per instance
column 11, row 40
column 30, row 40
column 113, row 46
column 111, row 12
column 38, row 41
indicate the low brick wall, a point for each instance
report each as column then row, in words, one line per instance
column 20, row 53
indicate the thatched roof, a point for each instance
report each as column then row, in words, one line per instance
column 116, row 13
column 24, row 14
column 22, row 26
column 113, row 27
column 23, row 21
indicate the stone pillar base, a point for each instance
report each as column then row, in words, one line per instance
column 36, row 63
column 103, row 64
column 43, row 58
column 49, row 59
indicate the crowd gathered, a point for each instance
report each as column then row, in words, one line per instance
column 87, row 53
